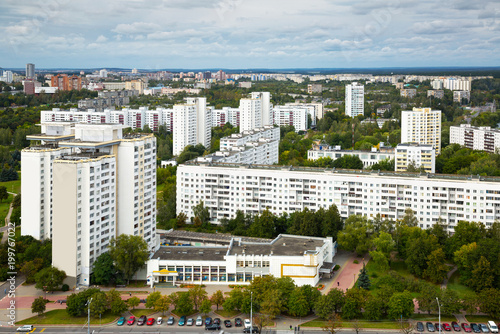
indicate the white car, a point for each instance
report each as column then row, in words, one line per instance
column 25, row 328
column 247, row 323
column 199, row 321
column 159, row 320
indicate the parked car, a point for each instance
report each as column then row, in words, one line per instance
column 182, row 321
column 131, row 320
column 484, row 328
column 189, row 322
column 142, row 320
column 475, row 328
column 255, row 329
column 121, row 321
column 447, row 327
column 430, row 327
column 227, row 323
column 150, row 322
column 199, row 321
column 420, row 327
column 25, row 328
column 455, row 326
column 212, row 327
column 170, row 321
column 492, row 326
column 208, row 321
column 247, row 323
column 217, row 321
column 159, row 321
column 438, row 327
column 466, row 327
column 238, row 322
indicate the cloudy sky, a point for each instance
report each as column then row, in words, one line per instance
column 249, row 33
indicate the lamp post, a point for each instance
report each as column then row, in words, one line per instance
column 88, row 324
column 439, row 313
column 251, row 308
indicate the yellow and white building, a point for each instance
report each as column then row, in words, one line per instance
column 421, row 156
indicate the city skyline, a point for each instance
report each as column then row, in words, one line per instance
column 239, row 34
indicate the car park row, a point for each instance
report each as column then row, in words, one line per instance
column 210, row 324
column 445, row 327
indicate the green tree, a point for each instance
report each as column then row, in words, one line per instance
column 104, row 269
column 162, row 304
column 373, row 311
column 355, row 300
column 466, row 258
column 380, row 259
column 355, row 236
column 427, row 298
column 133, row 302
column 450, row 302
column 76, row 303
column 31, row 268
column 99, row 304
column 436, row 270
column 39, row 305
column 298, row 303
column 418, row 250
column 49, row 279
column 201, row 212
column 465, row 233
column 333, row 325
column 152, row 298
column 328, row 304
column 490, row 302
column 3, row 193
column 363, row 279
column 206, row 306
column 272, row 305
column 384, row 243
column 116, row 304
column 197, row 295
column 401, row 305
column 129, row 253
column 470, row 302
column 217, row 298
column 264, row 225
column 183, row 304
column 482, row 275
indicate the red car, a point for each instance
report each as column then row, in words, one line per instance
column 466, row 327
column 131, row 320
column 150, row 321
column 447, row 327
column 455, row 326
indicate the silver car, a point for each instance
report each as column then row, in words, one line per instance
column 199, row 321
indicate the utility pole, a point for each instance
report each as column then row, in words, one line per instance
column 251, row 308
column 88, row 324
column 439, row 312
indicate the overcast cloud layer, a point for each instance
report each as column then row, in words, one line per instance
column 249, row 33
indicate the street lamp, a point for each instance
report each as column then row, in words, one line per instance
column 439, row 314
column 88, row 324
column 251, row 307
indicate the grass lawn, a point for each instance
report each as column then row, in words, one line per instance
column 4, row 208
column 227, row 314
column 363, row 324
column 480, row 318
column 12, row 186
column 176, row 313
column 61, row 317
column 141, row 311
column 137, row 284
column 433, row 317
column 454, row 284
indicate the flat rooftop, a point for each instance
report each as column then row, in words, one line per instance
column 190, row 253
column 222, row 238
column 283, row 245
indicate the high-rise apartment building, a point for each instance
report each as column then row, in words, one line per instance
column 422, row 126
column 65, row 82
column 354, row 99
column 30, row 71
column 420, row 156
column 296, row 116
column 192, row 123
column 256, row 111
column 86, row 184
column 482, row 138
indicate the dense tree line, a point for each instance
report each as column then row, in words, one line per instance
column 456, row 159
column 61, row 96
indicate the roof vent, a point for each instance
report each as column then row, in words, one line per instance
column 284, row 244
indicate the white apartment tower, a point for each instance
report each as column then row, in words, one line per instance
column 192, row 123
column 267, row 108
column 256, row 111
column 354, row 99
column 422, row 126
column 102, row 185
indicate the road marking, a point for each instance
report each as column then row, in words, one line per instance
column 42, row 330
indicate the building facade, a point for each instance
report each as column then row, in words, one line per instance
column 436, row 93
column 420, row 156
column 369, row 158
column 477, row 138
column 65, row 82
column 295, row 116
column 302, row 258
column 422, row 126
column 460, row 95
column 354, row 99
column 91, row 185
column 226, row 188
column 30, row 71
column 408, row 92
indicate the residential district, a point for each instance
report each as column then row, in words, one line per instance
column 291, row 201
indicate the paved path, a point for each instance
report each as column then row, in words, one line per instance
column 4, row 229
column 346, row 277
column 448, row 275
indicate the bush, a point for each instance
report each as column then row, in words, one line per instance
column 374, row 275
column 65, row 287
column 337, row 267
column 355, row 261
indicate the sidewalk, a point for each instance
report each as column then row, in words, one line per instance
column 349, row 271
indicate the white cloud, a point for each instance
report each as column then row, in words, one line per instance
column 135, row 28
column 101, row 39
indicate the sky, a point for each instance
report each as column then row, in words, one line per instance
column 238, row 34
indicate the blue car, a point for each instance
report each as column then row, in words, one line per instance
column 121, row 321
column 182, row 321
column 208, row 321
